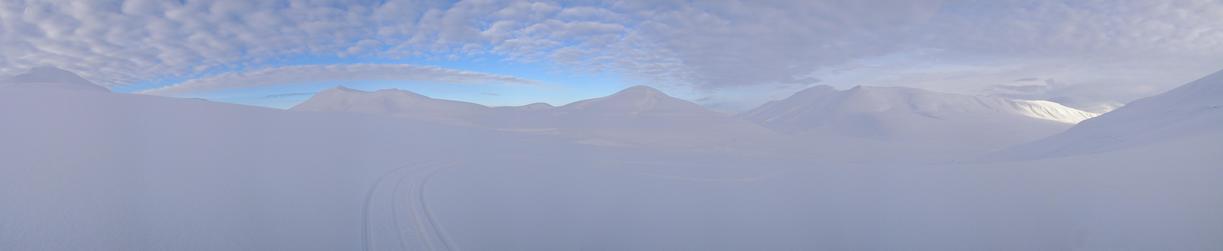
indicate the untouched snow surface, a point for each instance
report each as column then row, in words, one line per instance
column 88, row 170
column 127, row 172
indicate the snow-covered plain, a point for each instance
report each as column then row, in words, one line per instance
column 864, row 169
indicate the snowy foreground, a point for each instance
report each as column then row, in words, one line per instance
column 862, row 169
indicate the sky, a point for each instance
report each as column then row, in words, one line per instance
column 728, row 55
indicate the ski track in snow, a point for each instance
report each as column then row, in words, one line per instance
column 397, row 215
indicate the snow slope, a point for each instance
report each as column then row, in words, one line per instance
column 1193, row 109
column 908, row 114
column 1161, row 197
column 1048, row 110
column 82, row 170
column 86, row 170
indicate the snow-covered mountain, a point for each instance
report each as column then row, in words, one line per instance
column 634, row 116
column 527, row 107
column 908, row 114
column 53, row 77
column 646, row 116
column 637, row 106
column 1048, row 110
column 1192, row 110
column 632, row 104
column 637, row 101
column 394, row 102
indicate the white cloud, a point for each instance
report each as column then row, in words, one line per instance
column 331, row 73
column 703, row 44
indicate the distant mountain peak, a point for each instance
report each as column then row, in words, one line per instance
column 400, row 92
column 912, row 113
column 636, row 100
column 392, row 92
column 538, row 105
column 862, row 89
column 640, row 91
column 344, row 89
column 818, row 90
column 871, row 99
column 56, row 76
column 394, row 102
column 887, row 89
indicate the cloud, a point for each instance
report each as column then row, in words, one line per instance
column 706, row 45
column 124, row 42
column 1128, row 27
column 330, row 73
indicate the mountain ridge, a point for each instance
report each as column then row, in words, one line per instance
column 1195, row 108
column 921, row 117
column 52, row 76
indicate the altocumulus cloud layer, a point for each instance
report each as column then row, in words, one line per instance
column 704, row 44
column 325, row 73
